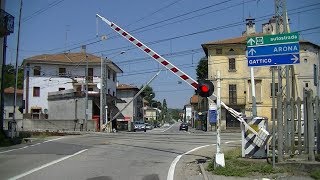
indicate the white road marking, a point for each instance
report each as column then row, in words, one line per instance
column 229, row 142
column 53, row 139
column 46, row 165
column 30, row 145
column 13, row 149
column 175, row 161
column 168, row 128
column 35, row 144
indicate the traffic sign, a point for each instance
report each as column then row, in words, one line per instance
column 274, row 60
column 273, row 50
column 273, row 39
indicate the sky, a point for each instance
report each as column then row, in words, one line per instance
column 174, row 28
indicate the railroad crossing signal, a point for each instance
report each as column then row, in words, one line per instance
column 205, row 88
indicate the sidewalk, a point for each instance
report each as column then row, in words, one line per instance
column 189, row 168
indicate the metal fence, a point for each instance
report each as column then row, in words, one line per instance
column 301, row 127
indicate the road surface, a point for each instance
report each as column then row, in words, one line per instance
column 116, row 156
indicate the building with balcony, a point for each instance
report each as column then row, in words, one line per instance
column 229, row 57
column 57, row 77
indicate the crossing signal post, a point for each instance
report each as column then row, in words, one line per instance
column 205, row 88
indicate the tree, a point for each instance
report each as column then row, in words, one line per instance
column 202, row 69
column 148, row 94
column 164, row 110
column 9, row 76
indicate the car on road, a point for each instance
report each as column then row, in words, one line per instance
column 166, row 125
column 183, row 126
column 148, row 126
column 139, row 126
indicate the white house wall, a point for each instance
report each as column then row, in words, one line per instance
column 49, row 81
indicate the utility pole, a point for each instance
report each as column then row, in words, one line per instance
column 281, row 19
column 86, row 77
column 219, row 158
column 101, row 92
column 16, row 66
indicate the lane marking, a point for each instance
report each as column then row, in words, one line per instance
column 13, row 149
column 175, row 161
column 53, row 139
column 1, row 152
column 168, row 128
column 229, row 142
column 46, row 165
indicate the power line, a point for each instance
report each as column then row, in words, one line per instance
column 40, row 11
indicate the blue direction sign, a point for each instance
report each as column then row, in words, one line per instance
column 273, row 50
column 274, row 60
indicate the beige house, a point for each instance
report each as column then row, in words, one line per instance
column 229, row 57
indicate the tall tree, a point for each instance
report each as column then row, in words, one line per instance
column 164, row 110
column 148, row 94
column 9, row 76
column 202, row 69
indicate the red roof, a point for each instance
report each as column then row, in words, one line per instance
column 126, row 87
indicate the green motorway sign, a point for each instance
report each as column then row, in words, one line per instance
column 272, row 39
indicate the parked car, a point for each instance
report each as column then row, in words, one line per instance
column 139, row 126
column 183, row 126
column 148, row 126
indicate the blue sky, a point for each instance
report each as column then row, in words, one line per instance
column 54, row 26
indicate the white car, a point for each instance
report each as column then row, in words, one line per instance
column 139, row 126
column 148, row 126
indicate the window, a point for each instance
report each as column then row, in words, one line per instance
column 305, row 60
column 109, row 73
column 219, row 51
column 62, row 72
column 35, row 113
column 306, row 85
column 36, row 70
column 10, row 115
column 258, row 91
column 61, row 89
column 36, row 91
column 232, row 64
column 276, row 88
column 276, row 113
column 90, row 89
column 232, row 94
column 113, row 93
column 114, row 76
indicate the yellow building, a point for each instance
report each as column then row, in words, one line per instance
column 229, row 57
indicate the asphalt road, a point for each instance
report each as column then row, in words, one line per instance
column 100, row 156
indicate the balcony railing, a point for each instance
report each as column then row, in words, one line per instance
column 6, row 23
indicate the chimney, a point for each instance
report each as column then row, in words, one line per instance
column 250, row 26
column 83, row 48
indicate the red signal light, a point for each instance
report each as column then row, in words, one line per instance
column 204, row 88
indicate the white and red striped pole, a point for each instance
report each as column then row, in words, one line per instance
column 194, row 84
column 152, row 53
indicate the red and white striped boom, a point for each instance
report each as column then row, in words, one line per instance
column 194, row 84
column 152, row 53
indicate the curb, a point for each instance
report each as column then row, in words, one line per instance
column 203, row 172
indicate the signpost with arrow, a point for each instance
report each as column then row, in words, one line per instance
column 273, row 50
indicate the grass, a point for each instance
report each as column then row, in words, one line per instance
column 236, row 166
column 315, row 174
